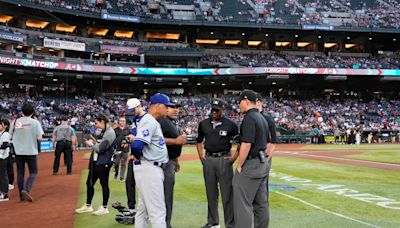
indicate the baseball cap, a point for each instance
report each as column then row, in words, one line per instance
column 160, row 98
column 175, row 104
column 248, row 94
column 131, row 104
column 259, row 97
column 218, row 104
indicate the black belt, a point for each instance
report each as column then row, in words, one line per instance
column 217, row 154
column 251, row 157
column 64, row 141
column 158, row 164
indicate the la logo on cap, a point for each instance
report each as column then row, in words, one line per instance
column 215, row 102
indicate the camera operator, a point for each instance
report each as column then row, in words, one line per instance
column 99, row 165
column 121, row 154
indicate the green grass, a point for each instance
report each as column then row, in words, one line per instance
column 190, row 207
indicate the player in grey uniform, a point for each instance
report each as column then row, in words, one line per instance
column 150, row 149
column 63, row 139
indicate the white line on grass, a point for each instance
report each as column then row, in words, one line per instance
column 348, row 159
column 326, row 210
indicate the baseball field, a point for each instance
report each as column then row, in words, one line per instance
column 310, row 186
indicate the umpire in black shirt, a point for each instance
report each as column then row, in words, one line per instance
column 217, row 133
column 271, row 139
column 174, row 141
column 250, row 180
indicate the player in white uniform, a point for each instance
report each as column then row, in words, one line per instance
column 150, row 150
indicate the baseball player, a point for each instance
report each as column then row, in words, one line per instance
column 150, row 150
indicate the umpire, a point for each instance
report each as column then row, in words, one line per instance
column 62, row 141
column 217, row 133
column 250, row 180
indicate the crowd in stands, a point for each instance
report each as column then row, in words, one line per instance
column 293, row 116
column 384, row 13
column 316, row 61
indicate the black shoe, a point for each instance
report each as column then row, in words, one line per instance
column 54, row 173
column 27, row 196
column 3, row 197
column 69, row 173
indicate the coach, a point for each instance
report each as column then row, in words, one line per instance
column 150, row 150
column 250, row 180
column 217, row 133
column 174, row 141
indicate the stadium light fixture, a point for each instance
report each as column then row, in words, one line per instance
column 163, row 36
column 243, row 34
column 211, row 33
column 199, row 83
column 348, row 46
column 98, row 32
column 254, row 43
column 329, row 45
column 266, row 34
column 250, row 83
column 394, row 39
column 36, row 24
column 179, row 83
column 145, row 83
column 370, row 38
column 212, row 82
column 5, row 18
column 319, row 37
column 281, row 44
column 348, row 37
column 55, row 79
column 201, row 41
column 303, row 44
column 273, row 83
column 123, row 34
column 1, row 74
column 65, row 28
column 297, row 36
column 232, row 42
column 223, row 84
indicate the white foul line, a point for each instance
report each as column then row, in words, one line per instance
column 327, row 211
column 347, row 159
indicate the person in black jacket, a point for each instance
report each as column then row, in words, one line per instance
column 122, row 148
column 99, row 165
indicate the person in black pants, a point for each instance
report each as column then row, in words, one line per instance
column 4, row 154
column 63, row 137
column 99, row 165
column 10, row 171
column 122, row 149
